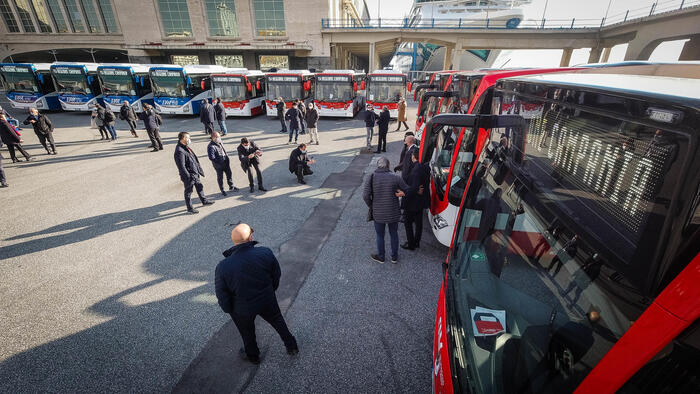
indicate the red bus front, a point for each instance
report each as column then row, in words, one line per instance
column 240, row 94
column 336, row 95
column 384, row 91
column 289, row 87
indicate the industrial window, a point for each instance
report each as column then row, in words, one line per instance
column 8, row 17
column 42, row 16
column 221, row 15
column 277, row 61
column 76, row 17
column 229, row 60
column 92, row 19
column 269, row 17
column 25, row 15
column 185, row 60
column 176, row 18
column 57, row 15
column 108, row 16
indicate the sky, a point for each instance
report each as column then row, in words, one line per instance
column 556, row 10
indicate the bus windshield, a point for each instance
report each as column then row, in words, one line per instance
column 117, row 82
column 229, row 88
column 385, row 92
column 334, row 91
column 286, row 90
column 444, row 142
column 19, row 79
column 537, row 276
column 76, row 83
column 168, row 83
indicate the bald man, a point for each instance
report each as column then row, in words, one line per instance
column 246, row 281
column 407, row 164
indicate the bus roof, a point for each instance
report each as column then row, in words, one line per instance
column 37, row 66
column 295, row 72
column 387, row 72
column 89, row 66
column 241, row 71
column 351, row 72
column 682, row 91
column 194, row 68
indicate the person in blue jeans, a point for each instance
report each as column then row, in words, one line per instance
column 381, row 193
column 294, row 118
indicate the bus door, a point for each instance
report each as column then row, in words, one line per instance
column 430, row 106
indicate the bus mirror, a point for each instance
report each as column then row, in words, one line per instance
column 249, row 86
column 189, row 81
column 410, row 86
column 258, row 86
column 202, row 83
column 307, row 85
column 354, row 86
column 362, row 85
column 141, row 81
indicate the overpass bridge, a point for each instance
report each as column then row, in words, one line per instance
column 375, row 41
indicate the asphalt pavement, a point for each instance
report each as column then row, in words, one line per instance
column 108, row 282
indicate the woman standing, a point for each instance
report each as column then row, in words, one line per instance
column 401, row 118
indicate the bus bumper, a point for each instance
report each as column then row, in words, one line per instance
column 443, row 224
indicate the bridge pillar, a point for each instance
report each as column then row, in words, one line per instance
column 594, row 56
column 373, row 57
column 457, row 58
column 606, row 55
column 447, row 60
column 691, row 49
column 566, row 57
column 641, row 48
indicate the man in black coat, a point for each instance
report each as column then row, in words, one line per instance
column 249, row 155
column 280, row 114
column 294, row 118
column 207, row 116
column 245, row 283
column 128, row 114
column 383, row 124
column 417, row 199
column 407, row 164
column 370, row 119
column 3, row 180
column 301, row 107
column 190, row 171
column 220, row 112
column 222, row 165
column 152, row 121
column 299, row 163
column 43, row 128
column 9, row 136
column 402, row 155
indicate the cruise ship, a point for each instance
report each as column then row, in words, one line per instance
column 429, row 57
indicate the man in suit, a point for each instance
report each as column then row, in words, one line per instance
column 408, row 164
column 219, row 158
column 43, row 128
column 249, row 155
column 152, row 122
column 383, row 123
column 190, row 171
column 245, row 283
column 207, row 116
column 299, row 163
column 415, row 202
column 281, row 106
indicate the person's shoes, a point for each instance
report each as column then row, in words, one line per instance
column 377, row 258
column 223, row 193
column 384, row 150
column 289, row 143
column 233, row 188
column 101, row 138
column 252, row 189
column 316, row 143
column 192, row 211
column 292, row 351
column 4, row 185
column 208, row 202
column 151, row 146
column 254, row 360
column 30, row 158
column 416, row 245
column 303, row 182
column 377, row 151
column 55, row 153
column 394, row 260
column 160, row 148
column 407, row 246
column 155, row 150
column 262, row 189
column 16, row 160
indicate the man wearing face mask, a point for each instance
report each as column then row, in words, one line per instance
column 245, row 283
column 190, row 171
column 249, row 155
column 219, row 158
column 299, row 163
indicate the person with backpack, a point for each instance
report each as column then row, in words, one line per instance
column 107, row 117
column 152, row 121
column 43, row 128
column 128, row 114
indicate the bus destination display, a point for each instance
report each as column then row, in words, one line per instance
column 333, row 78
column 14, row 69
column 282, row 78
column 227, row 79
column 387, row 78
column 114, row 71
column 166, row 73
column 68, row 70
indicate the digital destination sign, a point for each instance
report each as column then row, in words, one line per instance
column 166, row 73
column 283, row 78
column 227, row 79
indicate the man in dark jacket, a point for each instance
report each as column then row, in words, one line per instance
column 245, row 283
column 299, row 163
column 3, row 180
column 381, row 193
column 207, row 116
column 280, row 114
column 294, row 118
column 107, row 117
column 11, row 138
column 383, row 123
column 43, row 128
column 128, row 114
column 407, row 164
column 152, row 121
column 402, row 155
column 249, row 155
column 370, row 119
column 312, row 122
column 219, row 158
column 190, row 171
column 417, row 199
column 220, row 112
column 301, row 107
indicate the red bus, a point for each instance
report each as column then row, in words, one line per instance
column 336, row 93
column 432, row 83
column 289, row 85
column 452, row 156
column 384, row 88
column 242, row 91
column 574, row 265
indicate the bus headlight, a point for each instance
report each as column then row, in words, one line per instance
column 187, row 108
column 439, row 222
column 39, row 103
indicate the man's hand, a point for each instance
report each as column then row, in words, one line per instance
column 399, row 193
column 32, row 121
column 250, row 156
column 312, row 161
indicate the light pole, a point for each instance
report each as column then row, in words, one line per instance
column 544, row 11
column 606, row 11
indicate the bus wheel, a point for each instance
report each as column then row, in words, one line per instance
column 263, row 107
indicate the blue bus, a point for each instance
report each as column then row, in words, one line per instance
column 77, row 85
column 29, row 85
column 125, row 82
column 179, row 90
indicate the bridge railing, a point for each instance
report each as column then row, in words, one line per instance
column 659, row 7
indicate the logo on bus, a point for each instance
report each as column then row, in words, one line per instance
column 75, row 99
column 25, row 98
column 169, row 102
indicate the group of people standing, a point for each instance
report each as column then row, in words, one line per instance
column 104, row 119
column 300, row 117
column 382, row 122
